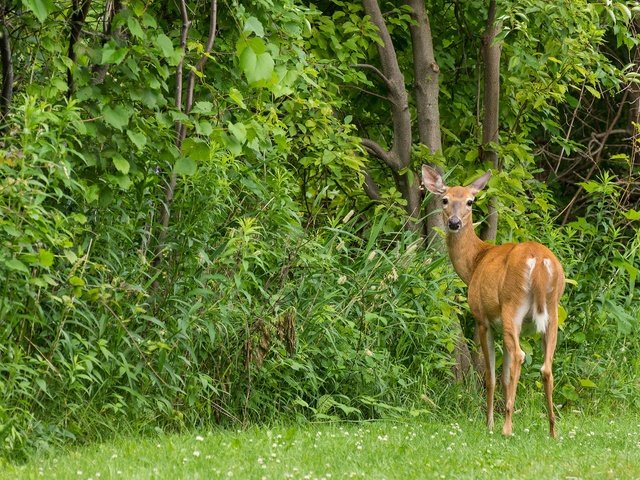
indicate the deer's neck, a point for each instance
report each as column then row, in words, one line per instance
column 465, row 250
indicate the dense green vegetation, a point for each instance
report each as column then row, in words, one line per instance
column 205, row 218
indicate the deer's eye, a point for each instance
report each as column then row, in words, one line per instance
column 445, row 201
column 469, row 202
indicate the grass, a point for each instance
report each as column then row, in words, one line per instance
column 588, row 447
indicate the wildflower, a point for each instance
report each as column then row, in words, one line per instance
column 199, row 438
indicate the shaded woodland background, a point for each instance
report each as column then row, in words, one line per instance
column 210, row 210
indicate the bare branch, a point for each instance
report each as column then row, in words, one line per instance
column 375, row 70
column 370, row 187
column 191, row 82
column 597, row 157
column 170, row 186
column 376, row 149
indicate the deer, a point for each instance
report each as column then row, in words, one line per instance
column 508, row 286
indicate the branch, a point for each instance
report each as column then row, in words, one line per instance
column 597, row 157
column 375, row 70
column 387, row 157
column 191, row 82
column 170, row 186
column 400, row 115
column 7, row 72
column 78, row 16
column 370, row 187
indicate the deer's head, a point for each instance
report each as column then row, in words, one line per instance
column 456, row 201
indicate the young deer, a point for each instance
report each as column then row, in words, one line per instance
column 508, row 285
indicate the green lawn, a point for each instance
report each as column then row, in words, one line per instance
column 587, row 447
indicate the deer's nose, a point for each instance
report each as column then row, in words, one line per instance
column 454, row 224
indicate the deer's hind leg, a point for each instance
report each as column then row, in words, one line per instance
column 549, row 339
column 512, row 318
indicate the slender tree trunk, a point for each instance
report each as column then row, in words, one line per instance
column 398, row 158
column 7, row 71
column 112, row 8
column 172, row 180
column 491, row 100
column 78, row 16
column 634, row 101
column 427, row 89
column 491, row 52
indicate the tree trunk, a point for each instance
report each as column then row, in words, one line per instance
column 634, row 101
column 398, row 158
column 7, row 72
column 491, row 100
column 172, row 180
column 427, row 89
column 78, row 16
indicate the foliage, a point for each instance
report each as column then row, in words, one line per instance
column 278, row 288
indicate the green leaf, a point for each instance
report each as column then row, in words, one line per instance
column 253, row 25
column 204, row 127
column 236, row 96
column 76, row 281
column 196, row 149
column 17, row 265
column 40, row 8
column 165, row 44
column 138, row 138
column 263, row 69
column 112, row 55
column 123, row 181
column 239, row 131
column 134, row 27
column 202, row 107
column 562, row 315
column 232, row 144
column 117, row 117
column 185, row 166
column 585, row 382
column 121, row 164
column 632, row 215
column 45, row 258
column 593, row 91
column 248, row 59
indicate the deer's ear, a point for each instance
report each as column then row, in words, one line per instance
column 481, row 182
column 432, row 180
